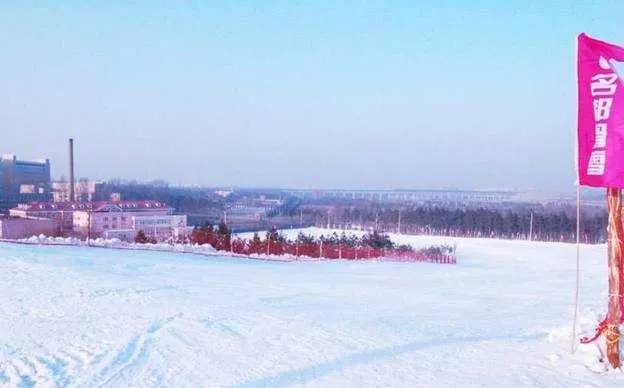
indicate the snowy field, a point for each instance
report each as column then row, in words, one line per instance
column 77, row 316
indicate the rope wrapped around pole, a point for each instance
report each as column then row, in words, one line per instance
column 614, row 315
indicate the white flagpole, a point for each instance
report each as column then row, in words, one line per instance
column 578, row 217
column 578, row 271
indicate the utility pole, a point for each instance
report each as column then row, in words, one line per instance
column 399, row 224
column 231, row 241
column 72, row 194
column 62, row 221
column 531, row 228
column 89, row 224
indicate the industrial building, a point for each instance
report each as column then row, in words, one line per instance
column 27, row 192
column 23, row 181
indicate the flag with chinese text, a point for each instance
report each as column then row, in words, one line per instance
column 600, row 139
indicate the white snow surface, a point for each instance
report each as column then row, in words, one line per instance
column 80, row 316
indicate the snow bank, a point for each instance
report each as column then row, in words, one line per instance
column 43, row 239
column 118, row 244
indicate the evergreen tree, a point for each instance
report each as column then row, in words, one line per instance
column 140, row 238
column 223, row 228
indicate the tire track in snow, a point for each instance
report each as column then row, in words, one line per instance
column 65, row 367
column 228, row 328
column 44, row 368
column 21, row 373
column 133, row 352
column 57, row 368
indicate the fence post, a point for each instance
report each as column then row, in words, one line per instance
column 268, row 246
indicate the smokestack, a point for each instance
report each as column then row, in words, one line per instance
column 71, row 170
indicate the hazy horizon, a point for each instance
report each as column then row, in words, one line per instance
column 356, row 95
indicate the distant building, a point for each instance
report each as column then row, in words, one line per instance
column 125, row 219
column 115, row 197
column 84, row 191
column 63, row 213
column 23, row 181
column 224, row 193
column 109, row 219
column 18, row 228
column 160, row 227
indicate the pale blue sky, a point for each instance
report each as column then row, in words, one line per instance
column 354, row 94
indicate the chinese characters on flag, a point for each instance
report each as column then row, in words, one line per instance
column 600, row 114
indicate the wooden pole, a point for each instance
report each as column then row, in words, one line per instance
column 614, row 316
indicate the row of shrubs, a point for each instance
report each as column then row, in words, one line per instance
column 221, row 239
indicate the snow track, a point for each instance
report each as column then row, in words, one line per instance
column 74, row 316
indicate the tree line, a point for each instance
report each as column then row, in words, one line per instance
column 543, row 225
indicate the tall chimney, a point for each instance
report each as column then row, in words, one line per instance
column 71, row 170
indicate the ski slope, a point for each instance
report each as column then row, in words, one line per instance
column 77, row 316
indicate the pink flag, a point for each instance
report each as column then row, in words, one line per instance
column 600, row 114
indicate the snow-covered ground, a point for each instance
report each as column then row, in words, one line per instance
column 79, row 316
